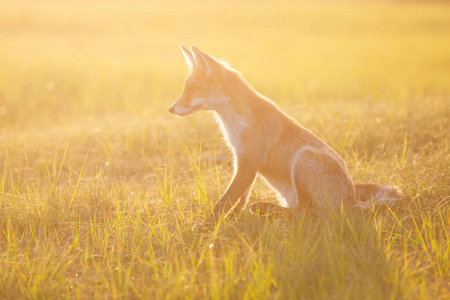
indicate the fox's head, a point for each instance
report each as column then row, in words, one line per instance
column 203, row 89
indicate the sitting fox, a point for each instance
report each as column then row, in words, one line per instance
column 304, row 170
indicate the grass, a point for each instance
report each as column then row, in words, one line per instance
column 100, row 186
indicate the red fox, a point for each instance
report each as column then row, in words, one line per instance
column 302, row 168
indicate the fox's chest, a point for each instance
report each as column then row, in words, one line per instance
column 233, row 127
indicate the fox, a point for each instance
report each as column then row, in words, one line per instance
column 304, row 170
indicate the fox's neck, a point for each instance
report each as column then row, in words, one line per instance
column 238, row 114
column 232, row 125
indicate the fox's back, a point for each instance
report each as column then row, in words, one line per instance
column 273, row 137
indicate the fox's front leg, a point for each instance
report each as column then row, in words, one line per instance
column 241, row 183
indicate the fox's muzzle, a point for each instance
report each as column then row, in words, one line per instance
column 178, row 108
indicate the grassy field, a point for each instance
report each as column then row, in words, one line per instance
column 100, row 186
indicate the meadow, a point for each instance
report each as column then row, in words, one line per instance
column 100, row 186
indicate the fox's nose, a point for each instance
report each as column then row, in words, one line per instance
column 171, row 109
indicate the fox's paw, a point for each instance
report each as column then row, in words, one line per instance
column 267, row 209
column 203, row 227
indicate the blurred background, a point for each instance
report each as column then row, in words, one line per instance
column 100, row 75
column 65, row 60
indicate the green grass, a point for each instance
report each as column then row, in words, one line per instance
column 100, row 186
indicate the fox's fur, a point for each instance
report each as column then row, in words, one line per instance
column 304, row 170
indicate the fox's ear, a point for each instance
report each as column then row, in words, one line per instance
column 190, row 61
column 204, row 61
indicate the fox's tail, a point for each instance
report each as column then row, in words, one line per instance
column 368, row 194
